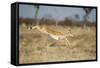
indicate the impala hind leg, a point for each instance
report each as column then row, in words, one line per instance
column 52, row 42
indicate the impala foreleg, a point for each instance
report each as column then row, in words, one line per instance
column 68, row 43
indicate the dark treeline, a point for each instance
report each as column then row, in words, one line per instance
column 65, row 22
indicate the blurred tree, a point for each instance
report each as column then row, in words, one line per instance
column 77, row 16
column 67, row 21
column 47, row 19
column 87, row 12
column 36, row 13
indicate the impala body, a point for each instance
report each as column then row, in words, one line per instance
column 57, row 35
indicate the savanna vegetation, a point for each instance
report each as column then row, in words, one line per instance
column 36, row 47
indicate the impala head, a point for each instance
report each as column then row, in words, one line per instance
column 69, row 33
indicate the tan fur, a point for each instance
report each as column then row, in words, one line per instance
column 57, row 35
column 54, row 32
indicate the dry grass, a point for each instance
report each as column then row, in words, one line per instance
column 36, row 47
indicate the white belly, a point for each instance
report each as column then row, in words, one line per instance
column 55, row 37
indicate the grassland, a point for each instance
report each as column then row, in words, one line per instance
column 36, row 47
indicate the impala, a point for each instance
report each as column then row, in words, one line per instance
column 57, row 35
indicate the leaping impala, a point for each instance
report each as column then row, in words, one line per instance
column 57, row 35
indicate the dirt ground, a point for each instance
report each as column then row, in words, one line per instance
column 36, row 47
